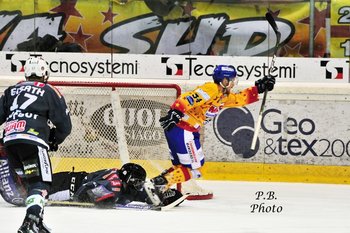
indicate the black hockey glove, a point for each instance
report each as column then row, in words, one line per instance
column 169, row 121
column 53, row 146
column 52, row 140
column 265, row 84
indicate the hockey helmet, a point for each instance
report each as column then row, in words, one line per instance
column 36, row 68
column 133, row 175
column 224, row 71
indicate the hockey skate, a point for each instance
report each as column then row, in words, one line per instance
column 196, row 192
column 33, row 224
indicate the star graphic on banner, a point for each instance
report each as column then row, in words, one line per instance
column 319, row 20
column 68, row 8
column 80, row 38
column 292, row 51
column 109, row 15
column 187, row 9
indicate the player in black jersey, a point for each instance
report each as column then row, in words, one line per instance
column 36, row 120
column 104, row 188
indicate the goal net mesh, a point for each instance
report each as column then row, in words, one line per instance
column 114, row 123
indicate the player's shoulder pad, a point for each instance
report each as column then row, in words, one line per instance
column 207, row 90
column 59, row 94
column 210, row 85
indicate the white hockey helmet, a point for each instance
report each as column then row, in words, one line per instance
column 36, row 68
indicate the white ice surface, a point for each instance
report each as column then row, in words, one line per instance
column 311, row 208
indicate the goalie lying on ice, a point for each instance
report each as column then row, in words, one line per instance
column 104, row 188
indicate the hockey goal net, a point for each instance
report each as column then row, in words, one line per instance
column 114, row 123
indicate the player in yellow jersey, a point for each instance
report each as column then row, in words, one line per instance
column 191, row 111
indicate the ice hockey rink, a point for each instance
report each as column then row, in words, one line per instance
column 301, row 208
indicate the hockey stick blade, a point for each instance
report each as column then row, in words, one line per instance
column 273, row 24
column 175, row 203
column 144, row 206
column 271, row 21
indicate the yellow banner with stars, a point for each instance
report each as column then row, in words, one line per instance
column 198, row 28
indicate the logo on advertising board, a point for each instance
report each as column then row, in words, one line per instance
column 175, row 69
column 287, row 136
column 141, row 124
column 332, row 71
column 18, row 60
column 96, row 127
column 72, row 64
column 234, row 127
column 16, row 65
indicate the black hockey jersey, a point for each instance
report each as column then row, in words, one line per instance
column 27, row 108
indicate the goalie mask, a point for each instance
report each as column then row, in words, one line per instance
column 133, row 175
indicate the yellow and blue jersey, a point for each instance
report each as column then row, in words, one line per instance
column 205, row 102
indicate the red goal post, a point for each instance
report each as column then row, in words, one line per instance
column 101, row 139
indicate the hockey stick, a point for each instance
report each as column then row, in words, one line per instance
column 175, row 203
column 273, row 24
column 129, row 206
column 145, row 206
column 132, row 205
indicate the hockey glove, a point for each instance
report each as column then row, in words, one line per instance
column 53, row 146
column 169, row 121
column 52, row 140
column 265, row 84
